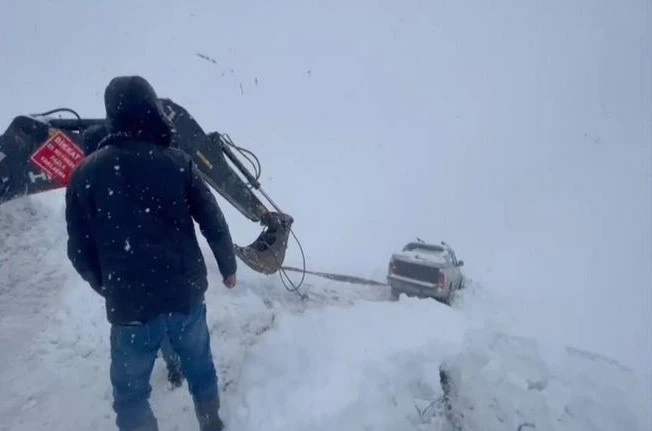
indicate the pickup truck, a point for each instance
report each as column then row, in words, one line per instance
column 425, row 270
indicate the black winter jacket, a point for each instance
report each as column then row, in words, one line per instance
column 129, row 210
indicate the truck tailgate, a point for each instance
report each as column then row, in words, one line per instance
column 429, row 274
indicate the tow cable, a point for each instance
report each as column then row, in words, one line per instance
column 290, row 285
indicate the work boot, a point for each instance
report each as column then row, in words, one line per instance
column 208, row 415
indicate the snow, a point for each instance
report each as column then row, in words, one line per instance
column 500, row 381
column 423, row 255
column 346, row 358
column 353, row 368
column 521, row 134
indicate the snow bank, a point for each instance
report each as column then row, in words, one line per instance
column 500, row 382
column 377, row 366
column 374, row 366
column 58, row 377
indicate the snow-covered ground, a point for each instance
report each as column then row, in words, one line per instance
column 520, row 134
column 345, row 358
column 54, row 371
column 500, row 381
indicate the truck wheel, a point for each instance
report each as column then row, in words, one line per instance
column 394, row 294
column 449, row 298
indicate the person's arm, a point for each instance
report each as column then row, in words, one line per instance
column 212, row 224
column 81, row 248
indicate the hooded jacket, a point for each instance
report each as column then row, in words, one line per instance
column 130, row 208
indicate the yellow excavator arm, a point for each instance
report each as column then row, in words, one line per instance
column 39, row 152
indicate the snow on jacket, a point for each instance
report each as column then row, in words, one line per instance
column 130, row 208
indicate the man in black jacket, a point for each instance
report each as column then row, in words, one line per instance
column 92, row 138
column 130, row 208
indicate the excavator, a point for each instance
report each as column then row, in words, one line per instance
column 39, row 152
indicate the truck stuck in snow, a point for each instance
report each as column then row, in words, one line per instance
column 426, row 271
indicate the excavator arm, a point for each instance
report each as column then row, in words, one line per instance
column 38, row 153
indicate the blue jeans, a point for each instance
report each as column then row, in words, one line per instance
column 134, row 349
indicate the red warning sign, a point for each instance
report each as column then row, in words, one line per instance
column 58, row 157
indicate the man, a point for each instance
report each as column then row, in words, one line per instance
column 92, row 138
column 130, row 208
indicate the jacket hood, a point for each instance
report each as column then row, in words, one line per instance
column 134, row 110
column 94, row 135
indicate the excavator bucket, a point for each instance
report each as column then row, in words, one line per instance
column 38, row 153
column 267, row 253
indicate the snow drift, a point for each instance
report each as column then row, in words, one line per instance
column 502, row 382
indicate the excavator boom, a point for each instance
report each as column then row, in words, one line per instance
column 38, row 153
